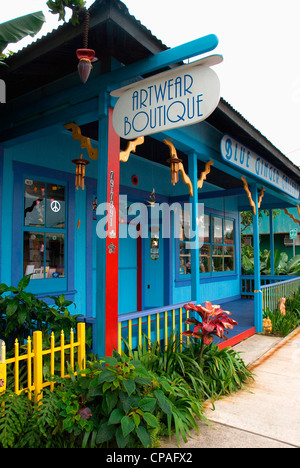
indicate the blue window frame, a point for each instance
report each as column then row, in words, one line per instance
column 44, row 244
column 44, row 229
column 217, row 252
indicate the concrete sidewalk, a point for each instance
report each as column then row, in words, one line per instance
column 267, row 413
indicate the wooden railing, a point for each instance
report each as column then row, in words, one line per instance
column 272, row 293
column 154, row 324
column 247, row 282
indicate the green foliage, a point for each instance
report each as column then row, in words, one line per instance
column 59, row 6
column 15, row 411
column 22, row 313
column 282, row 265
column 282, row 325
column 127, row 407
column 222, row 371
column 125, row 401
column 18, row 28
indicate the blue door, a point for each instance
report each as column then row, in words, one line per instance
column 128, row 272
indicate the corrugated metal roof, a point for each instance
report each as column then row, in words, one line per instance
column 92, row 9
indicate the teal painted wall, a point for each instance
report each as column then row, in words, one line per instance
column 51, row 152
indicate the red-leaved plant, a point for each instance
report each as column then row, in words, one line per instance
column 215, row 322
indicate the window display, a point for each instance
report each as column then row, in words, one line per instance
column 216, row 246
column 44, row 247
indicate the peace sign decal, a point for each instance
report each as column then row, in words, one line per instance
column 55, row 206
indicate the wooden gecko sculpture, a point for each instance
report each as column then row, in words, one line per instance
column 85, row 142
column 176, row 167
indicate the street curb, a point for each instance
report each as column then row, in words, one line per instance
column 273, row 350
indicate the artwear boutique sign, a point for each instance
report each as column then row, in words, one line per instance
column 176, row 98
column 239, row 155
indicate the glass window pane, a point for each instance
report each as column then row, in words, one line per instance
column 34, row 248
column 55, row 255
column 217, row 259
column 34, row 203
column 205, row 259
column 185, row 259
column 229, row 263
column 229, row 232
column 55, row 206
column 184, row 225
column 204, row 229
column 217, row 230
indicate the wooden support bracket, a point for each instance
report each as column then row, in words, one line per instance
column 85, row 142
column 297, row 221
column 204, row 174
column 131, row 148
column 247, row 190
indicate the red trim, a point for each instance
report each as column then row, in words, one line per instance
column 112, row 259
column 237, row 339
column 139, row 273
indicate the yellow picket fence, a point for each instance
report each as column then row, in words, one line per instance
column 33, row 359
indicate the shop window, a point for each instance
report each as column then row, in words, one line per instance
column 184, row 244
column 44, row 230
column 217, row 246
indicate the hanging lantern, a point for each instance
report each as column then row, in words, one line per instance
column 80, row 172
column 85, row 57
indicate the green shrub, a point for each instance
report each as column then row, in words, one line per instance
column 282, row 325
column 22, row 313
column 115, row 402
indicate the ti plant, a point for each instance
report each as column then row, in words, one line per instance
column 214, row 322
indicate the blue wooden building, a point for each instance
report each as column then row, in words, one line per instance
column 51, row 224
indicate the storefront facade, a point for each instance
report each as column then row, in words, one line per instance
column 55, row 230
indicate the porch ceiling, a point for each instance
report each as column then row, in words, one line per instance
column 157, row 152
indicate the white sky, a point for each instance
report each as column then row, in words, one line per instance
column 260, row 43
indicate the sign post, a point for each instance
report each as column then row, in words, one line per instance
column 293, row 237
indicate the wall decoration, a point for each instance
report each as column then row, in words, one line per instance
column 154, row 248
column 134, row 180
column 152, row 197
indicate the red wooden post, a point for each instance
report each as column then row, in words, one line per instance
column 112, row 240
